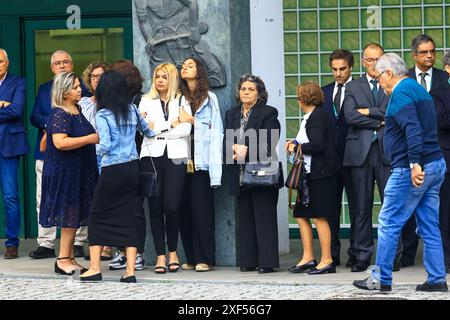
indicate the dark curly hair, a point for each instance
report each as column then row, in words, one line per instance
column 263, row 96
column 132, row 75
column 200, row 93
column 87, row 73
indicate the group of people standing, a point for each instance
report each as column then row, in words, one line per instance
column 351, row 135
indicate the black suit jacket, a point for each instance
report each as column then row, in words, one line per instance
column 322, row 148
column 262, row 117
column 439, row 80
column 441, row 99
column 337, row 122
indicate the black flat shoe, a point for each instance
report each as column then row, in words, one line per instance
column 265, row 270
column 130, row 279
column 95, row 277
column 331, row 268
column 435, row 287
column 303, row 267
column 247, row 269
column 61, row 271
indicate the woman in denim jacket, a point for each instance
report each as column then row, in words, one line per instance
column 112, row 220
column 197, row 216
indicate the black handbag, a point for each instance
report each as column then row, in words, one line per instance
column 298, row 180
column 148, row 180
column 262, row 174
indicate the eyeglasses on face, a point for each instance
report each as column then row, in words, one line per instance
column 426, row 52
column 378, row 77
column 64, row 62
column 96, row 76
column 370, row 60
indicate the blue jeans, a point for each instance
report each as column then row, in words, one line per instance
column 401, row 199
column 9, row 168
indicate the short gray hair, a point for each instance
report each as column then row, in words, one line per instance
column 6, row 53
column 60, row 52
column 447, row 58
column 392, row 61
column 62, row 83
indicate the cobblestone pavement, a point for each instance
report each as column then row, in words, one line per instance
column 63, row 288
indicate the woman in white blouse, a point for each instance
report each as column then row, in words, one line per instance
column 169, row 152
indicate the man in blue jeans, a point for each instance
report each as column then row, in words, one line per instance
column 418, row 169
column 13, row 144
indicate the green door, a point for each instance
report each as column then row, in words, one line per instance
column 106, row 39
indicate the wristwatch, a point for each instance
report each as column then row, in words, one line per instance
column 412, row 165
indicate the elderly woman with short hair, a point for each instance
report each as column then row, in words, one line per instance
column 316, row 139
column 257, row 207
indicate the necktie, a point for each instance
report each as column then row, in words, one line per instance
column 423, row 83
column 337, row 99
column 374, row 90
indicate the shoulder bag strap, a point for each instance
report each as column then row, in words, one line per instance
column 140, row 126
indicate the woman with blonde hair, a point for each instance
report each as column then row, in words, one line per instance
column 70, row 169
column 167, row 153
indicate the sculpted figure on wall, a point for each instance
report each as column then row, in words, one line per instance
column 173, row 33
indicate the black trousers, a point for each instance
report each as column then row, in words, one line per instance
column 363, row 179
column 258, row 228
column 165, row 208
column 197, row 225
column 344, row 181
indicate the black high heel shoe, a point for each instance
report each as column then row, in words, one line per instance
column 61, row 271
column 331, row 268
column 303, row 267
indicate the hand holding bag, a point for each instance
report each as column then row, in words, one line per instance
column 263, row 174
column 148, row 180
column 298, row 180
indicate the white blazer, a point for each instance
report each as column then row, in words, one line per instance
column 173, row 138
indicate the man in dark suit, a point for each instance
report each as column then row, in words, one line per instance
column 364, row 108
column 13, row 144
column 60, row 61
column 435, row 81
column 341, row 63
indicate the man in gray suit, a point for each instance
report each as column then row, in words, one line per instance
column 364, row 107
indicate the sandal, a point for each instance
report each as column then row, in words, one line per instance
column 160, row 269
column 174, row 264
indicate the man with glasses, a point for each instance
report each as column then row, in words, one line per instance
column 13, row 145
column 364, row 108
column 423, row 50
column 60, row 61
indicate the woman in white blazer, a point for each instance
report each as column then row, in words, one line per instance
column 169, row 152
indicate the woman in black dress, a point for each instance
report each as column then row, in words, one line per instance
column 70, row 172
column 316, row 139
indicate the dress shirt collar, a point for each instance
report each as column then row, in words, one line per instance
column 418, row 72
column 1, row 80
column 348, row 80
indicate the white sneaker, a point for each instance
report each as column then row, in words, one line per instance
column 140, row 262
column 119, row 262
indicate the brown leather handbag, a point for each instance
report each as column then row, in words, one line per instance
column 297, row 180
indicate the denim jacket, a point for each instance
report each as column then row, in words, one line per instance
column 208, row 138
column 119, row 146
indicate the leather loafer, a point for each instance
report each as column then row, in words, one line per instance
column 130, row 279
column 435, row 287
column 331, row 268
column 247, row 269
column 11, row 253
column 303, row 267
column 42, row 253
column 203, row 267
column 371, row 284
column 265, row 270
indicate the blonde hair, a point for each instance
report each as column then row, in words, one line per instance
column 62, row 84
column 172, row 74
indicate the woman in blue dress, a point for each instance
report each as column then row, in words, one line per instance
column 70, row 170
